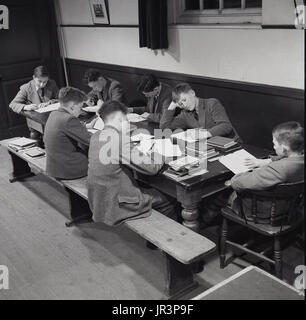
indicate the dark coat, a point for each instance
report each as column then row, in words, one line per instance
column 28, row 95
column 111, row 91
column 66, row 140
column 113, row 193
column 211, row 116
column 157, row 106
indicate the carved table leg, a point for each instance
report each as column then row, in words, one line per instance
column 190, row 203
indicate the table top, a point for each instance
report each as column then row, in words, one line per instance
column 252, row 283
column 217, row 172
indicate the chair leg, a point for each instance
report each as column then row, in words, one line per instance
column 278, row 257
column 223, row 239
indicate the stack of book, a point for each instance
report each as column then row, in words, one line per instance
column 201, row 149
column 183, row 163
column 223, row 144
column 22, row 143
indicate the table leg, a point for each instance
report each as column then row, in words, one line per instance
column 21, row 169
column 190, row 203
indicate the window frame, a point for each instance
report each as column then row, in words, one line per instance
column 247, row 16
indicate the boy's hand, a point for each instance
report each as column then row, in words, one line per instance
column 253, row 163
column 173, row 106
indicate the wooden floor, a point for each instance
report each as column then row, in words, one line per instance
column 48, row 261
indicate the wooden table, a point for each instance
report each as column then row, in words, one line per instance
column 251, row 283
column 189, row 192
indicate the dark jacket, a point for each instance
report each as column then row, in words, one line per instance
column 113, row 193
column 28, row 95
column 65, row 140
column 211, row 116
column 285, row 170
column 111, row 91
column 279, row 171
column 157, row 106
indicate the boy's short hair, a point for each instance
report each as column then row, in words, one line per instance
column 91, row 75
column 147, row 83
column 111, row 107
column 290, row 134
column 69, row 94
column 40, row 71
column 180, row 88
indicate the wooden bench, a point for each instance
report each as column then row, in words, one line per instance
column 181, row 246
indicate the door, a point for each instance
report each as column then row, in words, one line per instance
column 30, row 41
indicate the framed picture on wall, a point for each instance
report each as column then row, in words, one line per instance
column 98, row 12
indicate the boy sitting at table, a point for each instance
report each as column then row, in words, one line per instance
column 286, row 167
column 66, row 138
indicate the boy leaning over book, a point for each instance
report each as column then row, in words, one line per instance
column 286, row 167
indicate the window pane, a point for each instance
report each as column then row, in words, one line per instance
column 253, row 3
column 210, row 4
column 228, row 4
column 192, row 4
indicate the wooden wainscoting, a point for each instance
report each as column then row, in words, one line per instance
column 254, row 109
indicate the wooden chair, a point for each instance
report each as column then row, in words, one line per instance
column 272, row 213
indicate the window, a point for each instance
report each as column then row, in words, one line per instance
column 217, row 11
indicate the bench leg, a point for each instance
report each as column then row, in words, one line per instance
column 79, row 210
column 179, row 279
column 21, row 169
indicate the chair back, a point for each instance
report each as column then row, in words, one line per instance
column 281, row 205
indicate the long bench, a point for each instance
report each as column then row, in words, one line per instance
column 182, row 247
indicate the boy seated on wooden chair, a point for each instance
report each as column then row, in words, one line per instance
column 286, row 167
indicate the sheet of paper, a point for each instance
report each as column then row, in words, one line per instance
column 49, row 108
column 188, row 135
column 166, row 148
column 141, row 137
column 235, row 161
column 145, row 145
column 134, row 117
column 91, row 108
column 92, row 130
column 99, row 124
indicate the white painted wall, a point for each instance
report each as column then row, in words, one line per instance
column 270, row 56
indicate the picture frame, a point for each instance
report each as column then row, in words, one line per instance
column 99, row 12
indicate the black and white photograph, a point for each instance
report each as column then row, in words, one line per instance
column 99, row 11
column 152, row 151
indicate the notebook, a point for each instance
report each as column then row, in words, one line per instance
column 35, row 152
